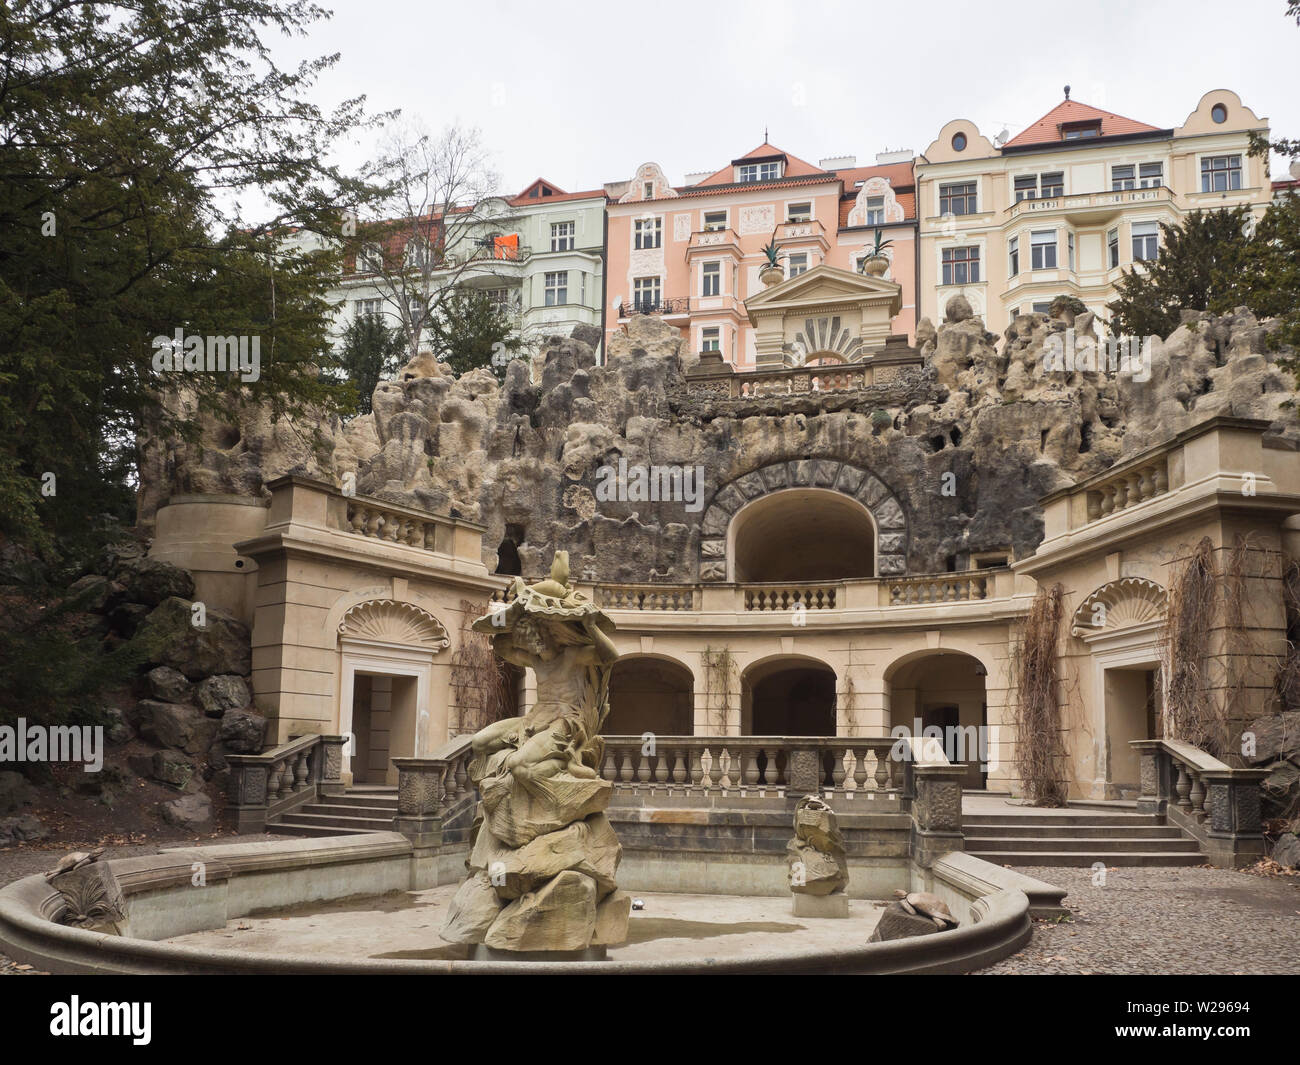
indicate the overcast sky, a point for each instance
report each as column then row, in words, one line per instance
column 581, row 93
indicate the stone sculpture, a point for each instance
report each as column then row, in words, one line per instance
column 916, row 913
column 91, row 895
column 817, row 866
column 541, row 870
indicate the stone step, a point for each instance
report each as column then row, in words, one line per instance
column 302, row 818
column 1063, row 818
column 1103, row 846
column 364, row 798
column 335, row 809
column 1083, row 859
column 290, row 829
column 1039, row 831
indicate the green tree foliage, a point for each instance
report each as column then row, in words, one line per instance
column 370, row 352
column 130, row 134
column 472, row 331
column 1199, row 268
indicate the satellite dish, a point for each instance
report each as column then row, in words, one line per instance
column 1001, row 138
column 1295, row 169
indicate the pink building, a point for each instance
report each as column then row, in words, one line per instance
column 693, row 253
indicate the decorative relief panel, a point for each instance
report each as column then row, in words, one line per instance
column 759, row 218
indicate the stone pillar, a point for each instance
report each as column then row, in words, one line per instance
column 1149, row 801
column 1235, row 831
column 330, row 760
column 246, row 793
column 419, row 800
column 936, row 812
column 804, row 773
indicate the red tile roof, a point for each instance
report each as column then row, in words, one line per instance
column 557, row 195
column 1047, row 129
column 794, row 167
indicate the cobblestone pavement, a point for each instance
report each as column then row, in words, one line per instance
column 1196, row 920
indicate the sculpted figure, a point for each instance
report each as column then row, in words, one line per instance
column 544, row 856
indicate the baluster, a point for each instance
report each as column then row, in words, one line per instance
column 273, row 782
column 300, row 772
column 884, row 770
column 609, row 771
column 1197, row 797
column 679, row 768
column 697, row 768
column 1107, row 504
column 626, row 773
column 736, row 770
column 1161, row 478
column 286, row 777
column 751, row 769
column 723, row 764
column 1183, row 787
column 462, row 776
column 661, row 769
column 643, row 770
column 707, row 764
column 838, row 771
column 859, row 770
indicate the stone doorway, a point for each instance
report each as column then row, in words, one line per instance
column 1132, row 709
column 384, row 721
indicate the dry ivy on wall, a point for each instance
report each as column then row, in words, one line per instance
column 1203, row 601
column 482, row 685
column 1040, row 745
column 720, row 665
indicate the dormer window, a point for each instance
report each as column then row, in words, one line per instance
column 799, row 212
column 1075, row 131
column 750, row 172
column 648, row 190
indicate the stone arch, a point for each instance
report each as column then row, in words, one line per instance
column 651, row 693
column 391, row 622
column 789, row 695
column 886, row 511
column 1119, row 604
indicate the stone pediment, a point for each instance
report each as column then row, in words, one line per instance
column 826, row 285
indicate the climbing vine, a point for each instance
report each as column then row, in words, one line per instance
column 720, row 667
column 482, row 685
column 1040, row 740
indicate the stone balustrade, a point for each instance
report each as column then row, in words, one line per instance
column 397, row 525
column 270, row 784
column 754, row 766
column 428, row 789
column 941, row 588
column 646, row 597
column 1128, row 488
column 1218, row 805
column 804, row 379
column 790, row 596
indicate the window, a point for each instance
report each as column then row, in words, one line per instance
column 712, row 279
column 875, row 211
column 649, row 233
column 557, row 288
column 758, row 172
column 714, row 221
column 1219, row 114
column 1042, row 250
column 799, row 212
column 1069, row 250
column 1220, row 173
column 711, row 338
column 1053, row 184
column 648, row 190
column 364, row 307
column 957, row 199
column 1075, row 131
column 1122, row 177
column 1043, row 308
column 418, row 311
column 959, row 142
column 798, row 263
column 500, row 297
column 561, row 236
column 961, row 266
column 1112, row 248
column 1013, row 257
column 1146, row 240
column 1151, row 175
column 1015, row 313
column 1026, row 187
column 370, row 259
column 646, row 293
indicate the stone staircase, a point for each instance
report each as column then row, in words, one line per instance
column 364, row 808
column 1078, row 836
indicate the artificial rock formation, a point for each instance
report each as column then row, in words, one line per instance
column 816, row 864
column 965, row 444
column 542, row 867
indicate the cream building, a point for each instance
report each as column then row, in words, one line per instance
column 1072, row 202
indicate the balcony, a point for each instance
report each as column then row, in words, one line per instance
column 666, row 306
column 493, row 253
column 714, row 240
column 1089, row 205
column 809, row 232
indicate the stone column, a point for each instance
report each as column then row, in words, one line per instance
column 246, row 793
column 936, row 812
column 419, row 800
column 329, row 777
column 1150, row 799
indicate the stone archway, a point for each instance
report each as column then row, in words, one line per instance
column 886, row 512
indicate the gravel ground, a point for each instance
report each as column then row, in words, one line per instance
column 1155, row 921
